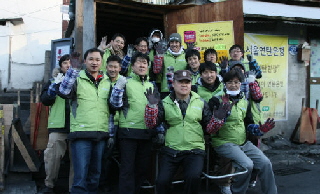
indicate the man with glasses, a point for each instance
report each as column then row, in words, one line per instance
column 229, row 139
column 141, row 45
column 115, row 47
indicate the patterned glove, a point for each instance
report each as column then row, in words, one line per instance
column 253, row 66
column 161, row 47
column 268, row 125
column 153, row 97
column 68, row 81
column 51, row 90
column 121, row 82
column 169, row 80
column 157, row 64
column 254, row 129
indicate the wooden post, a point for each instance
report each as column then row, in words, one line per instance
column 31, row 96
column 78, row 29
column 37, row 93
column 89, row 24
column 2, row 150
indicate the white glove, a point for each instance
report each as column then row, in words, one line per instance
column 251, row 76
column 130, row 50
column 121, row 82
column 59, row 78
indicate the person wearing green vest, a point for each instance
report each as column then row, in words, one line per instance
column 193, row 60
column 236, row 53
column 155, row 42
column 229, row 137
column 58, row 126
column 173, row 60
column 212, row 55
column 186, row 117
column 133, row 135
column 251, row 89
column 113, row 69
column 209, row 84
column 140, row 45
column 115, row 47
column 89, row 91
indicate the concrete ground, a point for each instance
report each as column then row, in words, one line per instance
column 296, row 167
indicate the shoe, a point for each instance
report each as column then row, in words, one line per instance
column 252, row 184
column 225, row 190
column 46, row 190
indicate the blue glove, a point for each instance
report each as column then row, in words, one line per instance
column 254, row 129
column 253, row 65
column 51, row 90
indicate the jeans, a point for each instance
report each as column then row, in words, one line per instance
column 250, row 157
column 86, row 158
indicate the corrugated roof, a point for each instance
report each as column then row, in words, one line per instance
column 252, row 8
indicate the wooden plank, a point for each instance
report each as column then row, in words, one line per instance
column 24, row 146
column 211, row 12
column 39, row 137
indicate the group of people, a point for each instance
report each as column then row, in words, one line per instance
column 156, row 91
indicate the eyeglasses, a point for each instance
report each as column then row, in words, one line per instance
column 236, row 51
column 233, row 82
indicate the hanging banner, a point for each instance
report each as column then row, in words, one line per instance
column 271, row 53
column 217, row 35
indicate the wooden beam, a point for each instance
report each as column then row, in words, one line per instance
column 24, row 146
column 2, row 150
column 89, row 25
column 134, row 6
column 134, row 14
column 78, row 28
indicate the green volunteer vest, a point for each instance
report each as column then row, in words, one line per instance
column 207, row 94
column 137, row 101
column 179, row 63
column 233, row 130
column 57, row 114
column 256, row 111
column 184, row 133
column 195, row 78
column 106, row 54
column 92, row 110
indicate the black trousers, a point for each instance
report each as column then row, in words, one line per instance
column 192, row 168
column 135, row 157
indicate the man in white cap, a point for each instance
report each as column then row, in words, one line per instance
column 173, row 60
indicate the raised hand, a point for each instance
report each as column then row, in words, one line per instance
column 153, row 97
column 130, row 50
column 103, row 44
column 59, row 78
column 161, row 47
column 224, row 62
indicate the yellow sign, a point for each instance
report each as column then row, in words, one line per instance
column 217, row 35
column 271, row 53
